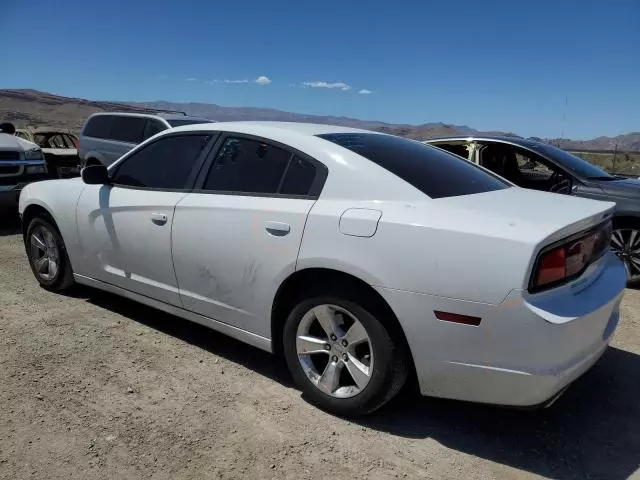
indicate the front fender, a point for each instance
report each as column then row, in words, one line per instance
column 59, row 198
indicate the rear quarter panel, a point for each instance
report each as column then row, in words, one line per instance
column 417, row 249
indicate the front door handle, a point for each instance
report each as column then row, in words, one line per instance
column 277, row 229
column 159, row 218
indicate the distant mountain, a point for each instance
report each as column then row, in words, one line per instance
column 624, row 143
column 35, row 108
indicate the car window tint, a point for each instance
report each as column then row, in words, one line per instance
column 127, row 129
column 165, row 163
column 98, row 126
column 153, row 127
column 189, row 121
column 247, row 166
column 299, row 177
column 434, row 172
column 462, row 150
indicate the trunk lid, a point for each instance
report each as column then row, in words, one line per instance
column 529, row 215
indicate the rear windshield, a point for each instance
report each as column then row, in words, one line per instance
column 192, row 121
column 434, row 172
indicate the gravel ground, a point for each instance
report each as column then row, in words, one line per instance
column 94, row 386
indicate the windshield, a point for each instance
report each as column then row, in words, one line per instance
column 190, row 121
column 434, row 172
column 576, row 164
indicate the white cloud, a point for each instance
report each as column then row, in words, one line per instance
column 262, row 80
column 340, row 85
column 364, row 91
column 244, row 80
column 211, row 82
column 190, row 79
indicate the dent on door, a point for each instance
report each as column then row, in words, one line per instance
column 359, row 222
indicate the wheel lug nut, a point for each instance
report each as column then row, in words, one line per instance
column 333, row 337
column 345, row 357
column 327, row 347
column 344, row 343
column 334, row 358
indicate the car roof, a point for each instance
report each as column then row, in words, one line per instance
column 163, row 115
column 270, row 127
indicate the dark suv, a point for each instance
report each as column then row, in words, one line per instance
column 105, row 137
column 540, row 166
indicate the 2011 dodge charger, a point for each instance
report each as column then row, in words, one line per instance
column 361, row 257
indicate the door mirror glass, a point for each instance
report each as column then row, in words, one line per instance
column 95, row 175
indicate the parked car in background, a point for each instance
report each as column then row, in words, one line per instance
column 21, row 162
column 60, row 148
column 540, row 166
column 105, row 137
column 361, row 257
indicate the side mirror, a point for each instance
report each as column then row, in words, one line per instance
column 95, row 175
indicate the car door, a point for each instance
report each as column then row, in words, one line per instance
column 238, row 236
column 125, row 227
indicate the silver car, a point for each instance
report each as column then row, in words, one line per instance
column 105, row 137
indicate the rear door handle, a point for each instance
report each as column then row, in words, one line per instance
column 159, row 218
column 277, row 229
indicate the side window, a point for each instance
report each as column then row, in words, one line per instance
column 152, row 127
column 127, row 129
column 299, row 177
column 462, row 150
column 24, row 135
column 164, row 164
column 529, row 166
column 247, row 166
column 98, row 126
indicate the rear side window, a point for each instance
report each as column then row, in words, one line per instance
column 127, row 129
column 164, row 164
column 152, row 127
column 98, row 126
column 191, row 121
column 434, row 172
column 247, row 166
column 299, row 177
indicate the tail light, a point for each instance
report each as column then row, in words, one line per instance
column 568, row 259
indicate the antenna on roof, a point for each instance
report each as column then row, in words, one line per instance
column 564, row 117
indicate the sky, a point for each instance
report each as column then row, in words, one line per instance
column 546, row 68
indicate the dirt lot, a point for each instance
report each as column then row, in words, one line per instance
column 93, row 386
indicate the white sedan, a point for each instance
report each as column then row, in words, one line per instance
column 363, row 258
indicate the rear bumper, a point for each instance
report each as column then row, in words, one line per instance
column 526, row 349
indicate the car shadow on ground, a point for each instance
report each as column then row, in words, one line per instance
column 592, row 431
column 202, row 337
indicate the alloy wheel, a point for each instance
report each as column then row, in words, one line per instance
column 625, row 243
column 334, row 350
column 44, row 253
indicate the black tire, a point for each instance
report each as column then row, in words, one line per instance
column 390, row 368
column 63, row 279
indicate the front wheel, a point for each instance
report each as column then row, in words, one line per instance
column 47, row 255
column 342, row 357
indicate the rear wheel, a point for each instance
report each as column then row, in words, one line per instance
column 341, row 355
column 625, row 243
column 47, row 255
